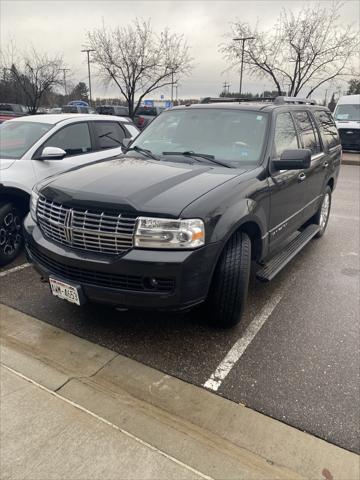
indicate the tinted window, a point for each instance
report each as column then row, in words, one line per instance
column 285, row 135
column 74, row 139
column 6, row 107
column 308, row 132
column 108, row 134
column 147, row 111
column 105, row 110
column 328, row 128
column 17, row 137
column 69, row 109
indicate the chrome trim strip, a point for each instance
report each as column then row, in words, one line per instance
column 291, row 216
column 317, row 155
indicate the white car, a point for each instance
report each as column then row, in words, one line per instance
column 38, row 146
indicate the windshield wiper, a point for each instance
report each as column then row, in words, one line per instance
column 196, row 155
column 144, row 151
column 108, row 135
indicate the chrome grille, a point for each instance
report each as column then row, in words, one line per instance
column 84, row 229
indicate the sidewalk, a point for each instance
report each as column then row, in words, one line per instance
column 74, row 410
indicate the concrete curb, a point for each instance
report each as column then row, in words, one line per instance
column 350, row 162
column 350, row 158
column 212, row 435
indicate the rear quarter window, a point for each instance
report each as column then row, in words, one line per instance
column 308, row 131
column 328, row 130
column 108, row 135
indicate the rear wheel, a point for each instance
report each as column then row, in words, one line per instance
column 228, row 292
column 322, row 215
column 11, row 240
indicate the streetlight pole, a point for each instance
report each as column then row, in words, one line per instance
column 88, row 50
column 172, row 86
column 64, row 70
column 243, row 40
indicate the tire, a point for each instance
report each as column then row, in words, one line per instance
column 11, row 239
column 321, row 217
column 228, row 291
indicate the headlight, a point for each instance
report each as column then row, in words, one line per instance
column 167, row 233
column 33, row 204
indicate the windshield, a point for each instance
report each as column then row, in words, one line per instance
column 17, row 137
column 234, row 137
column 348, row 112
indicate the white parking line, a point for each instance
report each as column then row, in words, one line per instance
column 15, row 269
column 238, row 349
column 110, row 424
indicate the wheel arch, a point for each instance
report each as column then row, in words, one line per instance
column 252, row 229
column 331, row 183
column 14, row 195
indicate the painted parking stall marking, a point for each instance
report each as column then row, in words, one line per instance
column 238, row 349
column 15, row 269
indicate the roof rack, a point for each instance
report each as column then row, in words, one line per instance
column 276, row 100
column 295, row 100
column 235, row 99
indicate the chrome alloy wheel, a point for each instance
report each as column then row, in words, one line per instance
column 10, row 234
column 325, row 210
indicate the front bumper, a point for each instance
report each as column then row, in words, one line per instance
column 350, row 138
column 183, row 277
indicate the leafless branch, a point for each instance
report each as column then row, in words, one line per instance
column 137, row 60
column 308, row 48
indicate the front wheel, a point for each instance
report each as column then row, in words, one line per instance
column 11, row 240
column 228, row 292
column 322, row 215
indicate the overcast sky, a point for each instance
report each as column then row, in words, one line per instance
column 60, row 27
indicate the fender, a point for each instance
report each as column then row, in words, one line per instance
column 244, row 211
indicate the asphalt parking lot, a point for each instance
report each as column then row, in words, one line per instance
column 301, row 367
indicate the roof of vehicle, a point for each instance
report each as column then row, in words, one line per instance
column 254, row 106
column 346, row 99
column 62, row 117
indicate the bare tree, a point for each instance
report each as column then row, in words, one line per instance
column 303, row 51
column 34, row 75
column 137, row 60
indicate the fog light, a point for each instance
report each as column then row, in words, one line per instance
column 151, row 283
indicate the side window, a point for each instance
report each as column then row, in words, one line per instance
column 329, row 132
column 285, row 137
column 108, row 135
column 308, row 133
column 74, row 139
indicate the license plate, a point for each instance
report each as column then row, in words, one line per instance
column 64, row 291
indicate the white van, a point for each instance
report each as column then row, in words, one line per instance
column 347, row 118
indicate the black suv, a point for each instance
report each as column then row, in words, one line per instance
column 177, row 219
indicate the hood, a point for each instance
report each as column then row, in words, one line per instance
column 6, row 162
column 350, row 124
column 136, row 186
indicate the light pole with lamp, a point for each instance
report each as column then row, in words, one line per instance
column 243, row 40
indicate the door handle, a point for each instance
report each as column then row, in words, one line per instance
column 301, row 177
column 325, row 164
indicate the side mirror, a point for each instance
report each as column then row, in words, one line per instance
column 126, row 142
column 52, row 153
column 299, row 159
